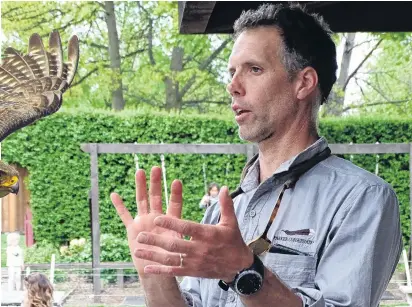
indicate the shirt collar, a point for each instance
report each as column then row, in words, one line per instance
column 251, row 179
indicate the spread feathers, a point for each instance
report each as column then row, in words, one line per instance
column 32, row 85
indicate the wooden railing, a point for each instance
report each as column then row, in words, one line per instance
column 119, row 266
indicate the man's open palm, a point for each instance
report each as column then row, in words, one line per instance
column 148, row 209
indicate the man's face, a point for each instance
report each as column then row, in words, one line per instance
column 263, row 98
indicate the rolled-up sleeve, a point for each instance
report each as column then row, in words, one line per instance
column 361, row 252
column 190, row 287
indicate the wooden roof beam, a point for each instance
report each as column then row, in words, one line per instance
column 194, row 16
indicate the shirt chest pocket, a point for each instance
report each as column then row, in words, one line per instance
column 294, row 270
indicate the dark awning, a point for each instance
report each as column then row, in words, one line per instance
column 342, row 16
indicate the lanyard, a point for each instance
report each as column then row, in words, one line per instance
column 297, row 171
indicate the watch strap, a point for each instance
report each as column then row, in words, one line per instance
column 257, row 266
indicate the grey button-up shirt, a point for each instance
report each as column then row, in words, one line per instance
column 350, row 246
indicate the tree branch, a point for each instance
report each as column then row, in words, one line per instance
column 203, row 66
column 104, row 47
column 100, row 4
column 195, row 102
column 361, row 43
column 150, row 42
column 215, row 53
column 378, row 90
column 361, row 63
column 85, row 77
column 361, row 89
column 27, row 16
column 6, row 13
column 134, row 53
column 153, row 102
column 374, row 104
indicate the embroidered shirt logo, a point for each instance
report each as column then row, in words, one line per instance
column 300, row 232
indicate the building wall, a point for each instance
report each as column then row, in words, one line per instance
column 14, row 206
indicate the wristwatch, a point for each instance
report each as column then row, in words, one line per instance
column 248, row 281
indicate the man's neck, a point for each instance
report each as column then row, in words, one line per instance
column 278, row 149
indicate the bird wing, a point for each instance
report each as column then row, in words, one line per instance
column 32, row 85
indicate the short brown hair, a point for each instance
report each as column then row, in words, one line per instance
column 306, row 38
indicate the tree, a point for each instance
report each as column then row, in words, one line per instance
column 335, row 106
column 187, row 69
column 131, row 53
column 115, row 60
column 386, row 84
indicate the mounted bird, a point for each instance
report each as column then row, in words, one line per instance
column 31, row 88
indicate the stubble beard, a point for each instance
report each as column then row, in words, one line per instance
column 254, row 133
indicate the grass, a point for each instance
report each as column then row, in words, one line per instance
column 4, row 247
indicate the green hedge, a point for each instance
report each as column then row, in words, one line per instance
column 60, row 172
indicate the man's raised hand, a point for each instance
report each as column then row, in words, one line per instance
column 149, row 208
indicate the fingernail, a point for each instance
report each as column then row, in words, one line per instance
column 142, row 237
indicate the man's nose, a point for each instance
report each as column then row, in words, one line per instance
column 236, row 87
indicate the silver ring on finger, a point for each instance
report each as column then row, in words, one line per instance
column 181, row 260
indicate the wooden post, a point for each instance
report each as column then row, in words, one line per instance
column 249, row 151
column 94, row 170
column 1, row 201
column 12, row 211
column 410, row 198
column 52, row 268
column 120, row 278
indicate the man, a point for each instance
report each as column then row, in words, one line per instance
column 306, row 228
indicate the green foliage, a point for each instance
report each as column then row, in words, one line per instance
column 41, row 252
column 148, row 33
column 113, row 249
column 60, row 171
column 385, row 79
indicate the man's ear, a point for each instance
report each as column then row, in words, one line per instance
column 307, row 81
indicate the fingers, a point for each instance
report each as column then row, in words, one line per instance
column 167, row 270
column 165, row 258
column 141, row 193
column 175, row 204
column 121, row 210
column 183, row 227
column 155, row 191
column 174, row 245
column 227, row 210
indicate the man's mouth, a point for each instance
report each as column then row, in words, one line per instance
column 240, row 111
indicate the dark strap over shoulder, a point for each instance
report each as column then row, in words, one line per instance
column 296, row 170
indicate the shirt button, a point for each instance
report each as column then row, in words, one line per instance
column 231, row 298
column 252, row 213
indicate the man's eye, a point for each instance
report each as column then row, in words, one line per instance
column 256, row 69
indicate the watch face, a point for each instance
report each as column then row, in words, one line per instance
column 249, row 282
